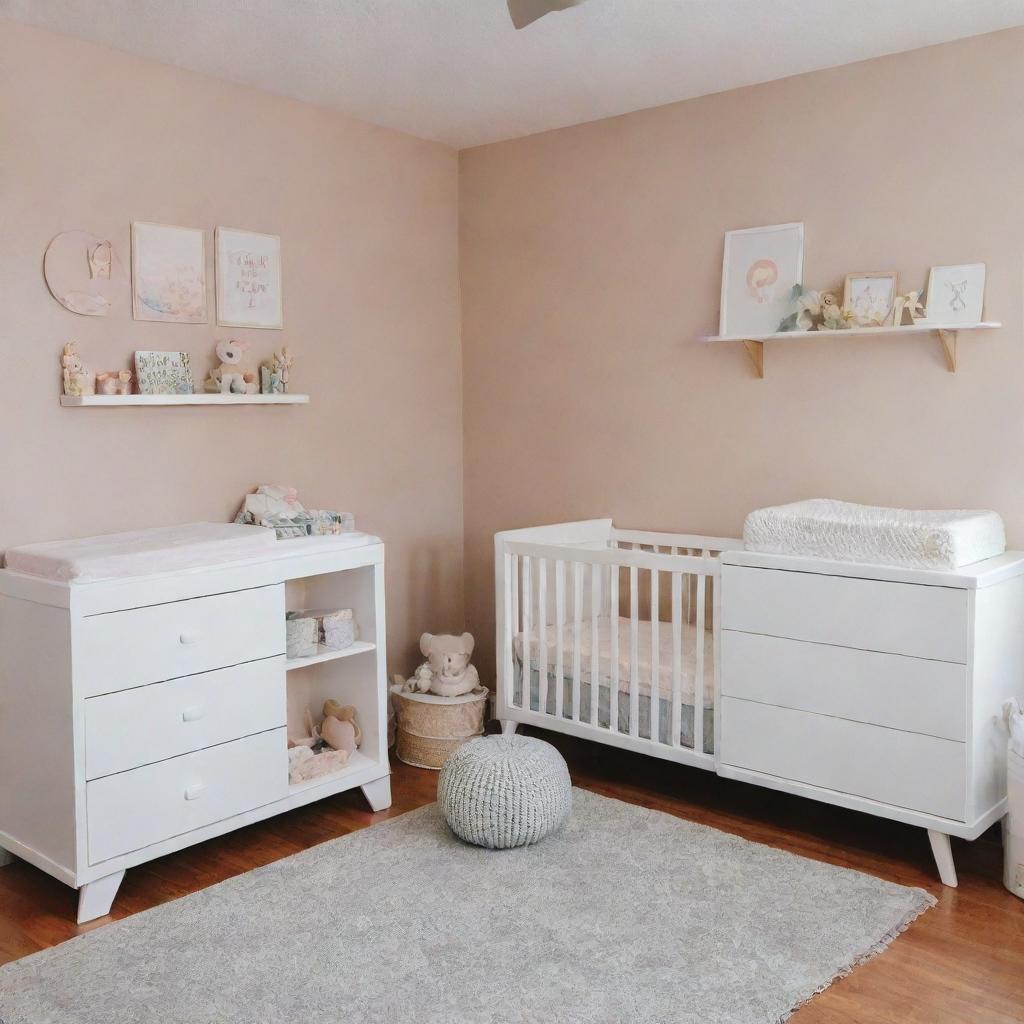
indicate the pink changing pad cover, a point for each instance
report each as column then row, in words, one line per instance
column 142, row 552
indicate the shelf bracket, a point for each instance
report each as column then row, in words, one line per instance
column 755, row 349
column 948, row 339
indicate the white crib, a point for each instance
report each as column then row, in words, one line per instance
column 611, row 635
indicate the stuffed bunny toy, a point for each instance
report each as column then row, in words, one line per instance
column 231, row 377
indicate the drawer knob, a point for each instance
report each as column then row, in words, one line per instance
column 193, row 714
column 189, row 637
column 195, row 792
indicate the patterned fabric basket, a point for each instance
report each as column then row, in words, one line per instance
column 430, row 728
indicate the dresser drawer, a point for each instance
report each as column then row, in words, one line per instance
column 892, row 690
column 145, row 645
column 905, row 769
column 895, row 618
column 151, row 723
column 147, row 805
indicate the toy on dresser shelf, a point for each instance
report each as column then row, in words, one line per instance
column 77, row 378
column 232, row 377
column 326, row 750
column 447, row 671
column 278, row 508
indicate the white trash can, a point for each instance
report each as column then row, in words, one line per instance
column 1013, row 829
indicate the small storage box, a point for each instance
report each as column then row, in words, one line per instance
column 302, row 634
column 431, row 727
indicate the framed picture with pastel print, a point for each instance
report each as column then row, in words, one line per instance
column 956, row 295
column 760, row 268
column 870, row 297
column 168, row 273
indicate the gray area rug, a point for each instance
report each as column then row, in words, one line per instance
column 625, row 915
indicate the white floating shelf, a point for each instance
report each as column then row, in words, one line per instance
column 71, row 401
column 356, row 763
column 327, row 654
column 947, row 335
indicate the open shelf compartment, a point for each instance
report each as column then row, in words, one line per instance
column 354, row 675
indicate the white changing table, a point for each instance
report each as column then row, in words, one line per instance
column 878, row 689
column 144, row 714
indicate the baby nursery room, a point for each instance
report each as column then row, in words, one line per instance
column 512, row 512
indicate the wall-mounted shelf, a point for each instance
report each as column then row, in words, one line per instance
column 947, row 335
column 71, row 401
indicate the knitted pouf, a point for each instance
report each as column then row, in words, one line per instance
column 504, row 791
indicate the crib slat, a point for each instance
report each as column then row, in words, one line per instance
column 595, row 635
column 677, row 657
column 514, row 577
column 655, row 657
column 542, row 634
column 560, row 626
column 508, row 649
column 634, row 653
column 613, row 637
column 577, row 622
column 527, row 629
column 698, row 672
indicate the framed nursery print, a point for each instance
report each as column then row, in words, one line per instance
column 759, row 270
column 956, row 295
column 248, row 279
column 168, row 274
column 871, row 297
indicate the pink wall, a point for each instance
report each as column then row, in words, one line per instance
column 591, row 263
column 93, row 139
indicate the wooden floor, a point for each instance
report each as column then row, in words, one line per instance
column 963, row 961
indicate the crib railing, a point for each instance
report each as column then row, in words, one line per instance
column 577, row 582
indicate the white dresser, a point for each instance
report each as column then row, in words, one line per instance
column 878, row 689
column 141, row 715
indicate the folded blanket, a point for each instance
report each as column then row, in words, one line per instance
column 841, row 531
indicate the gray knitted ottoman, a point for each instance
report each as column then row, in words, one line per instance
column 504, row 791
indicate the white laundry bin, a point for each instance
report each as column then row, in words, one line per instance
column 1013, row 829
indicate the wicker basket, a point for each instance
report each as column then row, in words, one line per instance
column 431, row 727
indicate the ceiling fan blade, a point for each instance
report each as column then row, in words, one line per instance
column 525, row 12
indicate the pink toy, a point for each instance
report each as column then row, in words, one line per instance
column 232, row 377
column 339, row 728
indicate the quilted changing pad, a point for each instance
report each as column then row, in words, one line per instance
column 841, row 531
column 142, row 552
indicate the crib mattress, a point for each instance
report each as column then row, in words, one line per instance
column 845, row 532
column 688, row 666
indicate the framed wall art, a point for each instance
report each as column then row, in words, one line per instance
column 759, row 269
column 956, row 295
column 871, row 296
column 168, row 274
column 248, row 279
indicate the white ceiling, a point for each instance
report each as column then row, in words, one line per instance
column 456, row 70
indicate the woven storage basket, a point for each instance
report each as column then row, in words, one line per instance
column 431, row 727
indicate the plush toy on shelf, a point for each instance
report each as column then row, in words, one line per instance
column 77, row 379
column 339, row 728
column 232, row 376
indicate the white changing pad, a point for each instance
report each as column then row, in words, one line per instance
column 142, row 552
column 841, row 531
